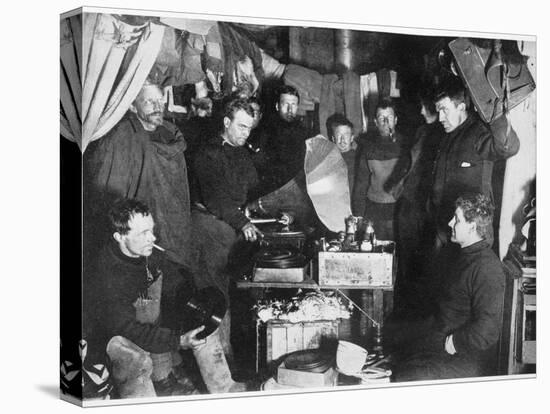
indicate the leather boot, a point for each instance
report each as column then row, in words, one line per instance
column 213, row 367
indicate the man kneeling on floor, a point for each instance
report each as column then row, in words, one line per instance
column 462, row 340
column 132, row 310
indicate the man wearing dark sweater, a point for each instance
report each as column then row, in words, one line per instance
column 281, row 140
column 227, row 178
column 227, row 181
column 126, row 306
column 466, row 155
column 462, row 340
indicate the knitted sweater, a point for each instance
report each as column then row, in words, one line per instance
column 112, row 300
column 226, row 178
column 471, row 307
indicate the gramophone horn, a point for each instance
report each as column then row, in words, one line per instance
column 327, row 182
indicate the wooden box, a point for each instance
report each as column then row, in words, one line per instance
column 283, row 337
column 357, row 269
column 305, row 379
column 291, row 274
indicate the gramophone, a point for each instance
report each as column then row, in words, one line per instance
column 280, row 257
column 318, row 194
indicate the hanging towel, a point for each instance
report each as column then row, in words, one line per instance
column 352, row 99
column 371, row 99
column 394, row 85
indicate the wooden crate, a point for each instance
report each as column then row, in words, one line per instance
column 278, row 338
column 357, row 269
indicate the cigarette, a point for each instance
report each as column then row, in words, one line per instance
column 158, row 247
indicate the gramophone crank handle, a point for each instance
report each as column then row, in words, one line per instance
column 261, row 221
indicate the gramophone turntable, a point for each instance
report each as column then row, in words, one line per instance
column 280, row 258
column 277, row 235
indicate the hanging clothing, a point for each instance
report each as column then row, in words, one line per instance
column 236, row 45
column 271, row 66
column 307, row 82
column 352, row 99
column 327, row 104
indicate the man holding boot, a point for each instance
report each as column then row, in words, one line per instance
column 132, row 313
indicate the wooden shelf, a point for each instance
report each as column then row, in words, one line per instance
column 306, row 284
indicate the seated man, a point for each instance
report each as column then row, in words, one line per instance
column 461, row 342
column 126, row 299
column 226, row 180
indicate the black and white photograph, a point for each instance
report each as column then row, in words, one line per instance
column 273, row 208
column 277, row 207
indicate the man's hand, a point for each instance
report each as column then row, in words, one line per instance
column 251, row 232
column 189, row 341
column 449, row 345
column 255, row 207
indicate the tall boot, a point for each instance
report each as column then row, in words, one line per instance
column 213, row 367
column 132, row 368
column 224, row 332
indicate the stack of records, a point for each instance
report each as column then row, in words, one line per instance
column 311, row 360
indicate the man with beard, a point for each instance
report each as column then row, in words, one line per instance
column 142, row 157
column 282, row 141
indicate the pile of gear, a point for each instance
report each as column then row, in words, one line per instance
column 312, row 306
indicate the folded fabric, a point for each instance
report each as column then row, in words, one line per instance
column 271, row 66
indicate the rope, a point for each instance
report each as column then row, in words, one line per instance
column 377, row 324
